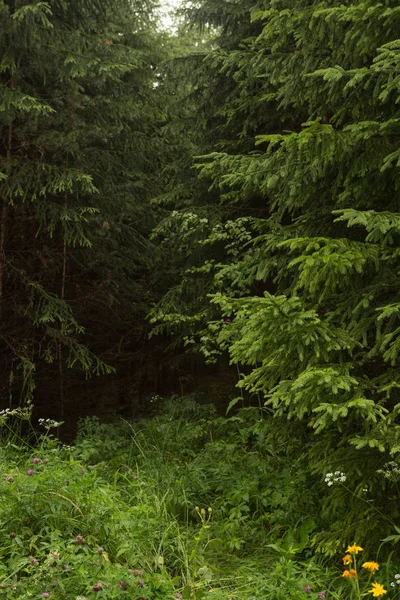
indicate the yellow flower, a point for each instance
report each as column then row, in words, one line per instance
column 347, row 559
column 377, row 590
column 352, row 574
column 354, row 549
column 370, row 566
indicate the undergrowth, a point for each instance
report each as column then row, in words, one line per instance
column 183, row 505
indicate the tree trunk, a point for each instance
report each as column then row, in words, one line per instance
column 4, row 210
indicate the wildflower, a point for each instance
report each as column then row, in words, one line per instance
column 321, row 595
column 13, row 535
column 140, row 583
column 178, row 596
column 30, row 472
column 307, row 588
column 336, row 477
column 122, row 585
column 46, row 460
column 370, row 566
column 352, row 574
column 377, row 590
column 135, row 572
column 347, row 559
column 36, row 461
column 55, row 555
column 49, row 423
column 100, row 550
column 135, row 478
column 397, row 576
column 142, row 483
column 45, row 595
column 97, row 587
column 354, row 549
column 80, row 539
column 33, row 561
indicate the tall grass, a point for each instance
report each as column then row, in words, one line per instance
column 183, row 505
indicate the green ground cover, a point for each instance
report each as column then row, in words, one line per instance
column 183, row 505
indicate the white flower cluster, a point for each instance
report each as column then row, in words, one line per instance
column 396, row 580
column 22, row 413
column 6, row 412
column 49, row 423
column 391, row 471
column 336, row 477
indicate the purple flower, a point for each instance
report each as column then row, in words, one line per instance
column 36, row 461
column 307, row 588
column 30, row 472
column 97, row 587
column 227, row 320
column 80, row 539
column 45, row 595
column 322, row 595
column 122, row 585
column 140, row 583
column 178, row 596
column 135, row 572
column 55, row 555
column 135, row 478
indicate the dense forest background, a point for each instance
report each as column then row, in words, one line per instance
column 212, row 211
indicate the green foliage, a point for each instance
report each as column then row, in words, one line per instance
column 301, row 172
column 185, row 504
column 78, row 115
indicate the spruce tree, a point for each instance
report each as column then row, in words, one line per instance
column 77, row 118
column 309, row 300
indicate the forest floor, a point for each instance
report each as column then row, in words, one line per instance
column 183, row 505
